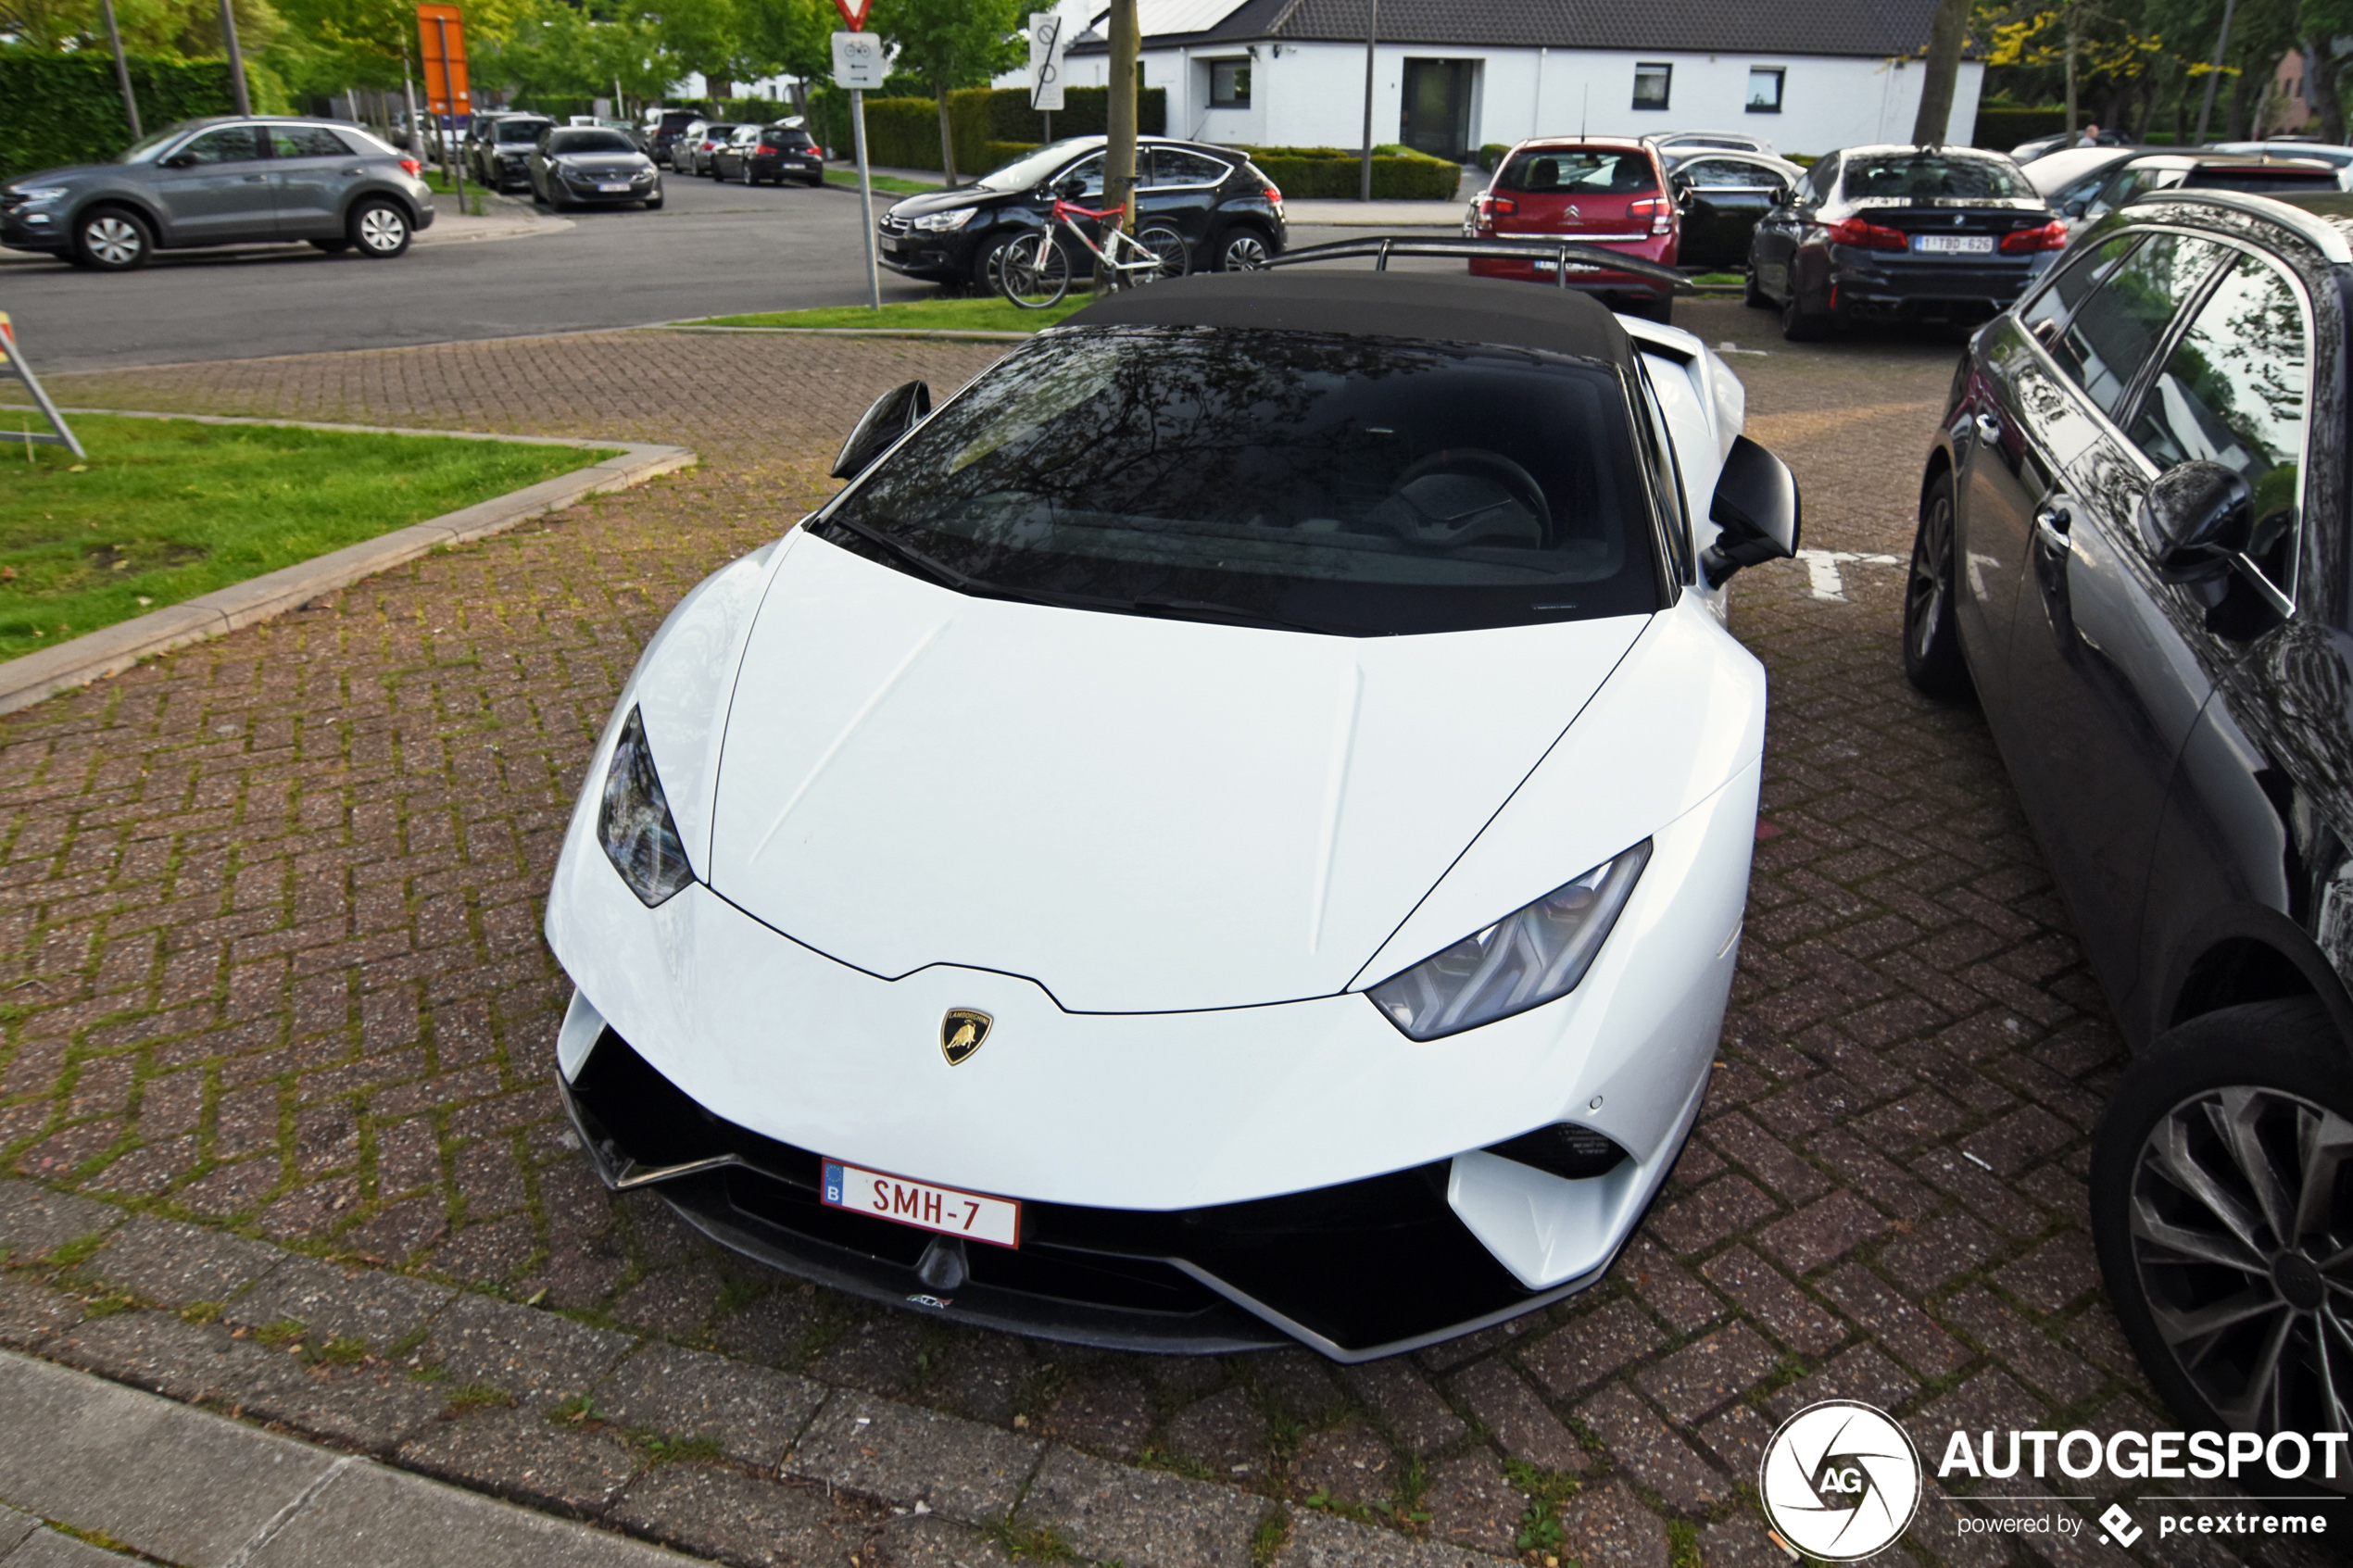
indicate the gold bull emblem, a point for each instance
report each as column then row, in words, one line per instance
column 960, row 1034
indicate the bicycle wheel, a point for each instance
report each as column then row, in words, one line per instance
column 1167, row 247
column 1032, row 272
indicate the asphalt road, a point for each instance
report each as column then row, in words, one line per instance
column 713, row 249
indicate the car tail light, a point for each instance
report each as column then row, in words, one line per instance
column 765, row 151
column 2050, row 236
column 1658, row 209
column 1502, row 207
column 1274, row 195
column 414, row 168
column 1869, row 237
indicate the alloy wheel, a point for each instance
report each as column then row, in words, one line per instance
column 1244, row 253
column 1931, row 578
column 380, row 228
column 113, row 241
column 2241, row 1225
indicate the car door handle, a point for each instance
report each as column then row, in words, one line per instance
column 257, row 179
column 2052, row 520
column 1988, row 429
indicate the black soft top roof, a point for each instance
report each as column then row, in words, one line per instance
column 1367, row 304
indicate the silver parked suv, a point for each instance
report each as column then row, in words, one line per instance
column 223, row 182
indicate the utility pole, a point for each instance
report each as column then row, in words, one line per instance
column 121, row 70
column 2222, row 46
column 1372, row 37
column 236, row 59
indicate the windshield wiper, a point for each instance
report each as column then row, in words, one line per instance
column 964, row 581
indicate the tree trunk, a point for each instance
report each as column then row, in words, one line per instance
column 1119, row 151
column 2326, row 104
column 719, row 88
column 2071, row 75
column 1945, row 29
column 947, row 140
column 2241, row 110
column 801, row 98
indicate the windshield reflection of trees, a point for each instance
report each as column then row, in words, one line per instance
column 1154, row 461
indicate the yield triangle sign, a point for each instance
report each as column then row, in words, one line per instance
column 854, row 16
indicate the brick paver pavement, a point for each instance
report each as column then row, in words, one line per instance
column 269, row 963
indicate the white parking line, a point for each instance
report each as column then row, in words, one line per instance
column 1822, row 568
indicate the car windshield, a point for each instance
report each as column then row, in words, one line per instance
column 1591, row 171
column 520, row 130
column 1031, row 167
column 590, row 141
column 1359, row 486
column 1915, row 175
column 145, row 149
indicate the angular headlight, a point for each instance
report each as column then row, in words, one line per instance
column 635, row 825
column 942, row 223
column 41, row 196
column 1523, row 961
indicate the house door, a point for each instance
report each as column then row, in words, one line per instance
column 1437, row 107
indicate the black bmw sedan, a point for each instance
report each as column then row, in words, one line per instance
column 2133, row 548
column 1901, row 233
column 589, row 166
column 1229, row 213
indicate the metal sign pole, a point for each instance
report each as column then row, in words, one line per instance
column 866, row 198
column 13, row 364
column 121, row 70
column 452, row 165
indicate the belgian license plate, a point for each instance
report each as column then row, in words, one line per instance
column 890, row 247
column 614, row 186
column 925, row 1205
column 1955, row 244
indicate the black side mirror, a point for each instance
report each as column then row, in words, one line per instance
column 893, row 415
column 181, row 160
column 2194, row 519
column 1757, row 509
column 1070, row 190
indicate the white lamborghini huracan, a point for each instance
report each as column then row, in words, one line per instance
column 1232, row 828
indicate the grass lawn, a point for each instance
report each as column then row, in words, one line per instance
column 889, row 183
column 990, row 315
column 165, row 509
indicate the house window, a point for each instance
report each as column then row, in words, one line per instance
column 1764, row 89
column 1650, row 80
column 1229, row 85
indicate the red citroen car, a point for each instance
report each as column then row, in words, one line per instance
column 1606, row 192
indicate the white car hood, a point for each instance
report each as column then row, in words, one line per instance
column 1139, row 814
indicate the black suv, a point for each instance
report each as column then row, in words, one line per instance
column 1231, row 215
column 498, row 148
column 2133, row 545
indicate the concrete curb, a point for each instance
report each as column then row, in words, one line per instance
column 26, row 681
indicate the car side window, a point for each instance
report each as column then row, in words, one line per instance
column 228, row 143
column 1089, row 173
column 2048, row 311
column 1175, row 166
column 306, row 140
column 1658, row 453
column 2110, row 337
column 2235, row 391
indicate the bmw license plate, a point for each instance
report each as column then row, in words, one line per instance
column 614, row 186
column 923, row 1205
column 1954, row 244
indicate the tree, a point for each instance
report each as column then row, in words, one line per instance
column 2321, row 24
column 791, row 37
column 1942, row 69
column 951, row 43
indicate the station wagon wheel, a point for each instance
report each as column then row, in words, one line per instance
column 380, row 230
column 112, row 240
column 1932, row 659
column 1244, row 251
column 2223, row 1207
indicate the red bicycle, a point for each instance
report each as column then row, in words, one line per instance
column 1035, row 271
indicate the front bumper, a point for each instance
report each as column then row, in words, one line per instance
column 810, row 168
column 36, row 227
column 1361, row 1270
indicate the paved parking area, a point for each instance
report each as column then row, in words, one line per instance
column 269, row 965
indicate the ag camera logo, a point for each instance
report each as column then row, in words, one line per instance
column 1840, row 1480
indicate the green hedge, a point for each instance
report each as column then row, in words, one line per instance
column 58, row 109
column 1331, row 173
column 2001, row 129
column 904, row 132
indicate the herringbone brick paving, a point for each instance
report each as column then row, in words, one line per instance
column 269, row 962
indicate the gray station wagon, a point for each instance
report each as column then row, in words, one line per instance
column 223, row 182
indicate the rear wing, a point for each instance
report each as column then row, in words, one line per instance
column 1567, row 254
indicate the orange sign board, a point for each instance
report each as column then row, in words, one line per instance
column 442, row 30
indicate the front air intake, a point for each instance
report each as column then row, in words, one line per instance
column 1563, row 1149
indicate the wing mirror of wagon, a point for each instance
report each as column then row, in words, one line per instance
column 1757, row 510
column 893, row 415
column 2194, row 519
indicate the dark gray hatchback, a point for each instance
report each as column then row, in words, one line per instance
column 223, row 182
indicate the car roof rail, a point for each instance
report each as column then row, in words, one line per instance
column 1566, row 254
column 2325, row 237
